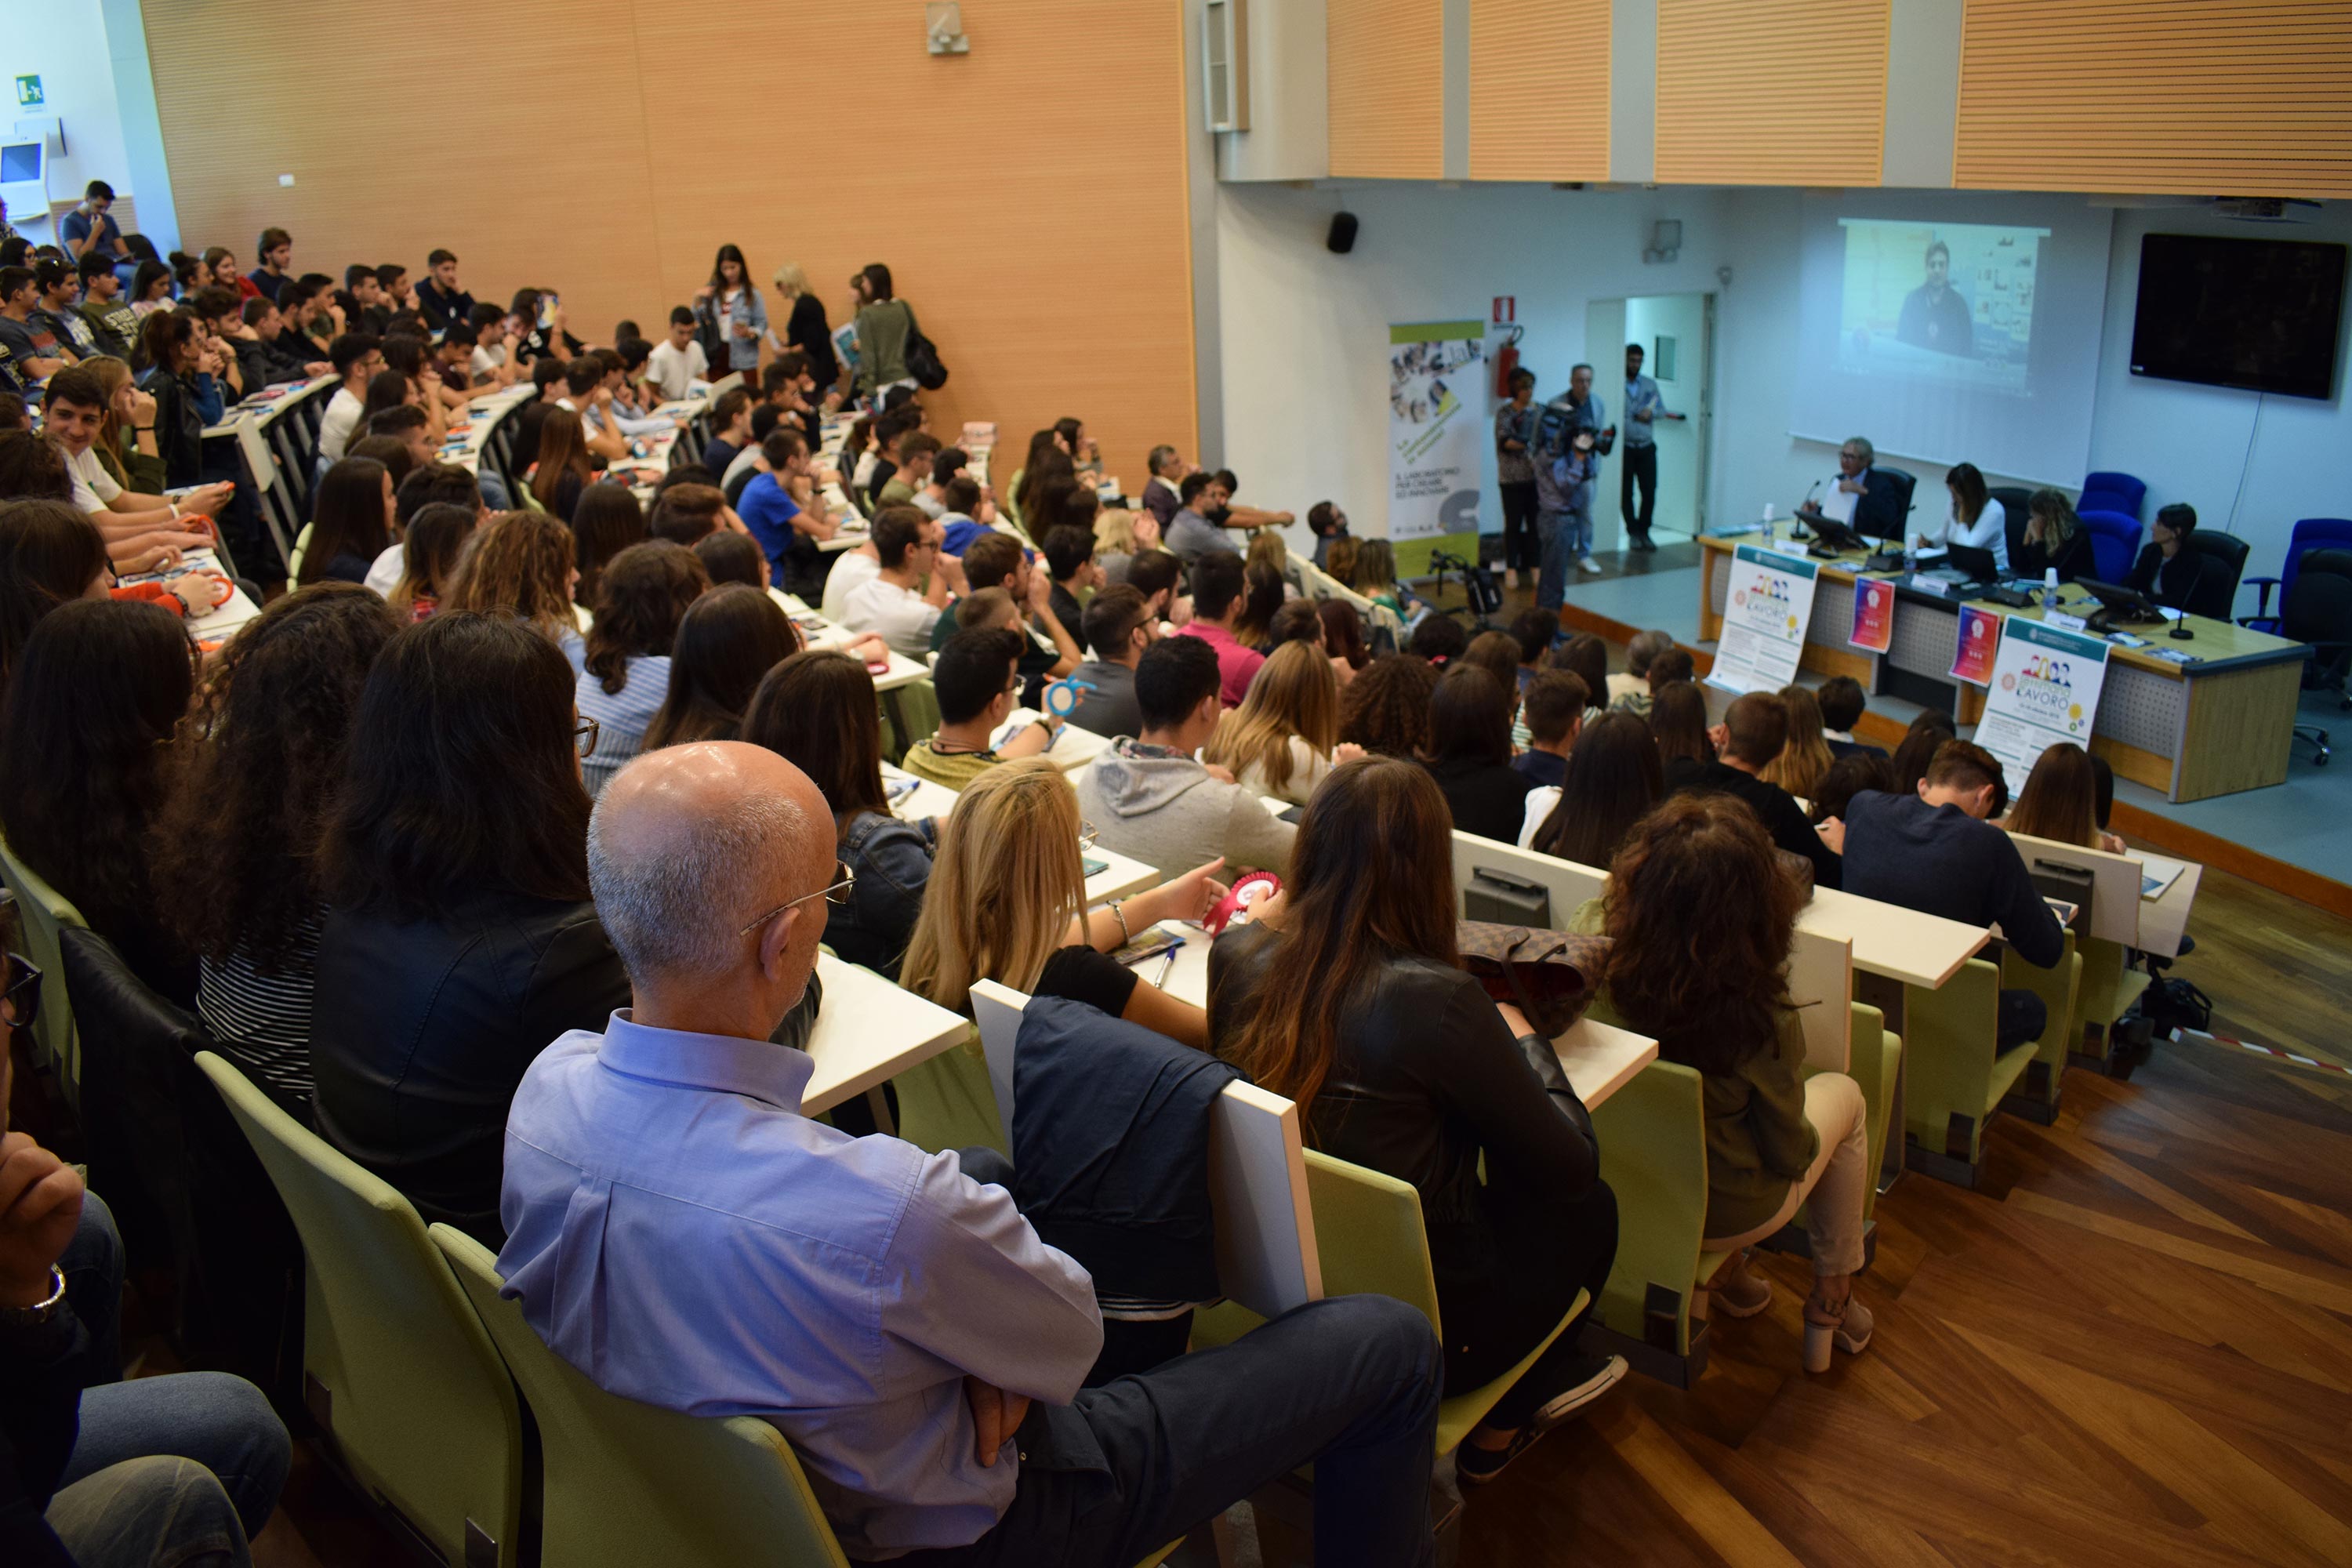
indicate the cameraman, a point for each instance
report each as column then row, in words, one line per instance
column 1572, row 441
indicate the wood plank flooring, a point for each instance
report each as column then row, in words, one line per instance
column 2132, row 1345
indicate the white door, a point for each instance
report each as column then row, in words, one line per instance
column 1676, row 332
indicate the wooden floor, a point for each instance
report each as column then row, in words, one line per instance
column 2132, row 1345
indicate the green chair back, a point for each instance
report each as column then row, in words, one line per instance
column 947, row 1102
column 1950, row 1068
column 1652, row 1137
column 2060, row 989
column 301, row 548
column 626, row 1484
column 398, row 1368
column 43, row 911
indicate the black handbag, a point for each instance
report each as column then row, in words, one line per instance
column 923, row 358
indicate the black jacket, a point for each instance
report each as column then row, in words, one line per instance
column 2170, row 583
column 420, row 1033
column 179, row 427
column 1939, row 860
column 890, row 862
column 1429, row 1080
column 2072, row 559
column 1775, row 808
column 1489, row 799
column 1878, row 511
column 41, row 1371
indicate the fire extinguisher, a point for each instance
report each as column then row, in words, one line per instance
column 1507, row 363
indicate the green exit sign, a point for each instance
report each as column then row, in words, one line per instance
column 28, row 91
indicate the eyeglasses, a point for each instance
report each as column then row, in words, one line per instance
column 20, row 997
column 834, row 892
column 1086, row 835
column 583, row 736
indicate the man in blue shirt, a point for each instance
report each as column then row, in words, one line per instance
column 786, row 515
column 87, row 230
column 1645, row 405
column 680, row 1231
column 1568, row 447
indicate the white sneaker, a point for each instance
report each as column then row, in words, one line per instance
column 1589, row 564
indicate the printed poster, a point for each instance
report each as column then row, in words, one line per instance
column 1435, row 373
column 2044, row 693
column 1874, row 614
column 1764, row 619
column 1972, row 654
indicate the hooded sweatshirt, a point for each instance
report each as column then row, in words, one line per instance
column 1162, row 807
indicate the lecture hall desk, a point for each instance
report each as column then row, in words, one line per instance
column 2213, row 728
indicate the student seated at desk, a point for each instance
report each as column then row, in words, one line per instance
column 1930, row 728
column 913, row 1314
column 1754, row 730
column 524, row 563
column 624, row 679
column 2055, row 540
column 1635, row 680
column 1150, row 800
column 1843, row 702
column 786, row 515
column 1666, row 666
column 727, row 641
column 1699, row 875
column 1806, row 757
column 1935, row 852
column 1553, row 708
column 1282, row 740
column 895, row 603
column 1848, row 777
column 1400, row 1063
column 1678, row 724
column 1612, row 782
column 1118, row 625
column 351, row 522
column 2168, row 571
column 1469, row 754
column 977, row 680
column 1049, row 649
column 1975, row 519
column 2060, row 802
column 1220, row 584
column 1385, row 709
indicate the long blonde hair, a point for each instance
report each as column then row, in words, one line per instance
column 1296, row 693
column 1802, row 762
column 112, row 376
column 1114, row 532
column 1005, row 885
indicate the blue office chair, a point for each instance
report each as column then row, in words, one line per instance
column 2104, row 492
column 2311, row 534
column 2115, row 543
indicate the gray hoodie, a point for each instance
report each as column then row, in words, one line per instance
column 1150, row 803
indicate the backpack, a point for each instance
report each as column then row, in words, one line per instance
column 923, row 358
column 2170, row 1004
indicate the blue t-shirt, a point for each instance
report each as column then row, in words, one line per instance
column 768, row 512
column 77, row 226
column 958, row 533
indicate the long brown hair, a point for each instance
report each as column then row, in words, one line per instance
column 1612, row 782
column 1470, row 719
column 563, row 448
column 644, row 594
column 113, row 375
column 519, row 562
column 1386, row 708
column 1006, row 883
column 1343, row 632
column 1295, row 693
column 1700, row 915
column 606, row 521
column 1678, row 723
column 50, row 553
column 816, row 710
column 727, row 640
column 1370, row 880
column 1805, row 757
column 347, row 516
column 1968, row 492
column 2060, row 801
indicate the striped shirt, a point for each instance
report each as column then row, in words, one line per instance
column 621, row 716
column 262, row 1022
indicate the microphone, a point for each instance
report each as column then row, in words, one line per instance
column 2180, row 631
column 1807, row 504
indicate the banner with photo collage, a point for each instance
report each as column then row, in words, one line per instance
column 1436, row 372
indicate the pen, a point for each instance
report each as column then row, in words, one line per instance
column 1160, row 981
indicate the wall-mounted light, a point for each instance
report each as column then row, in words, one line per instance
column 943, row 27
column 1666, row 240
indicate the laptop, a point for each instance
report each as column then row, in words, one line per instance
column 1973, row 565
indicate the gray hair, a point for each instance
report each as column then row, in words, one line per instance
column 678, row 911
column 1160, row 455
column 1862, row 448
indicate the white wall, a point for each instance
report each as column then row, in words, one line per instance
column 1303, row 335
column 1681, row 317
column 64, row 43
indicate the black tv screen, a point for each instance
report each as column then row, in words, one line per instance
column 2260, row 314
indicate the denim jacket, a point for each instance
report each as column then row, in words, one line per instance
column 890, row 862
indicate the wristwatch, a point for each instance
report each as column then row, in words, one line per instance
column 33, row 1317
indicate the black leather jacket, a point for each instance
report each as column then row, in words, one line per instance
column 1428, row 1079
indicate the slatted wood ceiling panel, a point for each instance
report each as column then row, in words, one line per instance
column 1387, row 66
column 1539, row 89
column 1029, row 198
column 2229, row 97
column 1772, row 92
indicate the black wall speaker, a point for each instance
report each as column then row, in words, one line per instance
column 1343, row 233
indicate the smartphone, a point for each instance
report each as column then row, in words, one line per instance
column 547, row 303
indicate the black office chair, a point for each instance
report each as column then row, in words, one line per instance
column 2318, row 612
column 2017, row 509
column 1905, row 485
column 2215, row 594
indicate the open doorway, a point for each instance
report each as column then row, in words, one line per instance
column 1676, row 335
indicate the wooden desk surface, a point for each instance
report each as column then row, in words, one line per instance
column 2218, row 644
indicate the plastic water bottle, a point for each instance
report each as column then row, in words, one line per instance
column 2050, row 587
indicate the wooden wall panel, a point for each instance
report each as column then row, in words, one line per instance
column 2225, row 96
column 1387, row 64
column 1029, row 198
column 1772, row 92
column 1539, row 89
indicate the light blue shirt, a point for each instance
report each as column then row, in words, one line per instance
column 1641, row 392
column 680, row 1233
column 622, row 717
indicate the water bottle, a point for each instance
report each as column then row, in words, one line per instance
column 2050, row 587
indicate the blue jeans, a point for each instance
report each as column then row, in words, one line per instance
column 1554, row 534
column 181, row 1462
column 1351, row 1382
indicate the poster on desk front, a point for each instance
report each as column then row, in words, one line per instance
column 2044, row 693
column 1437, row 425
column 1765, row 614
column 1973, row 650
column 1874, row 615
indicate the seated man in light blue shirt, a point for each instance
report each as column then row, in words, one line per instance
column 680, row 1231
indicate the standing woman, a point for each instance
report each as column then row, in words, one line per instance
column 1398, row 1062
column 732, row 314
column 180, row 378
column 1515, row 471
column 644, row 595
column 806, row 328
column 885, row 322
column 563, row 471
column 728, row 639
column 350, row 524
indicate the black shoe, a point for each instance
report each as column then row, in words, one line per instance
column 1474, row 1467
column 1646, row 546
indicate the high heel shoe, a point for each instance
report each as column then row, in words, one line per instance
column 1846, row 1326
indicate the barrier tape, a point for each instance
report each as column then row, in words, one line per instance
column 2259, row 1049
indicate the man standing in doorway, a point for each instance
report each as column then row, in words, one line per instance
column 1645, row 405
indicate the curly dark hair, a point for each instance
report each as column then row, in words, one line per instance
column 254, row 773
column 639, row 601
column 1386, row 708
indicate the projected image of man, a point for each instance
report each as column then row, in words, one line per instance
column 1935, row 316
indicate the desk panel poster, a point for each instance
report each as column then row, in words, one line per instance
column 1874, row 616
column 1764, row 619
column 1972, row 651
column 2045, row 693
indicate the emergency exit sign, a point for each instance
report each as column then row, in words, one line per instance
column 29, row 92
column 1507, row 309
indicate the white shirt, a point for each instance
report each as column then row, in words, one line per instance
column 1540, row 800
column 488, row 358
column 1308, row 767
column 383, row 575
column 898, row 615
column 93, row 487
column 851, row 570
column 673, row 369
column 342, row 418
column 1990, row 532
